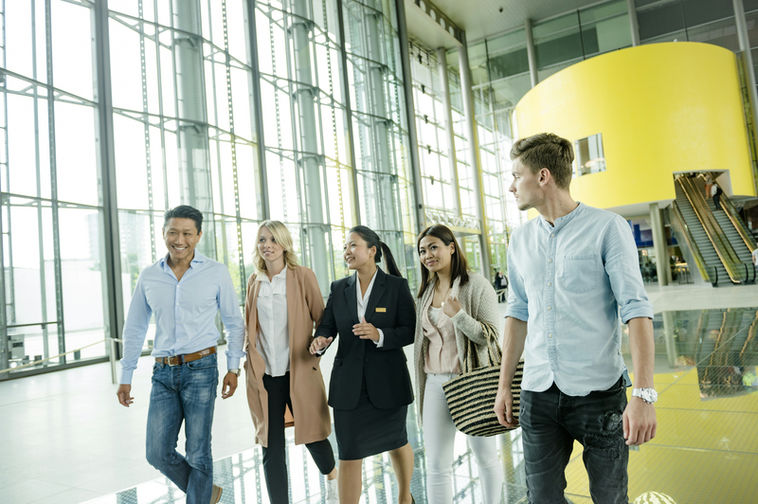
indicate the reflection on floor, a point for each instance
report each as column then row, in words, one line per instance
column 706, row 449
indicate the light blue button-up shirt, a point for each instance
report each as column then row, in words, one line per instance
column 185, row 313
column 569, row 282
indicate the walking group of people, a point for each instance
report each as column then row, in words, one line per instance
column 570, row 270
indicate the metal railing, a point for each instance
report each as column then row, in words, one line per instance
column 713, row 231
column 690, row 240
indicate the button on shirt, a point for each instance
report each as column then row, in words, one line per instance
column 273, row 337
column 569, row 282
column 185, row 313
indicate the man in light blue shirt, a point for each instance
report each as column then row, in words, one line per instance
column 572, row 270
column 184, row 291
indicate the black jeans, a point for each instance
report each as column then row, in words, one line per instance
column 275, row 456
column 552, row 420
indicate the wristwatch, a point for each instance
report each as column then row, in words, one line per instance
column 235, row 371
column 649, row 395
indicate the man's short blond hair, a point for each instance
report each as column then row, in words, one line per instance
column 546, row 150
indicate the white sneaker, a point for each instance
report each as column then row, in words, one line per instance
column 332, row 492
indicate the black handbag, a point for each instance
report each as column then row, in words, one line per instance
column 471, row 395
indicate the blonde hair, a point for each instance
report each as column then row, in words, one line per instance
column 282, row 237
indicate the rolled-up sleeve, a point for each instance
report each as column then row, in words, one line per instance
column 228, row 305
column 622, row 267
column 518, row 304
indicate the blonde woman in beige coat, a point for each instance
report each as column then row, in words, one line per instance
column 282, row 306
column 454, row 305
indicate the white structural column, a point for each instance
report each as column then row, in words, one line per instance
column 473, row 153
column 659, row 245
column 634, row 25
column 194, row 159
column 531, row 54
column 310, row 161
column 450, row 134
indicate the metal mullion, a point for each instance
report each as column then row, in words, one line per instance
column 54, row 181
column 146, row 127
column 4, row 343
column 161, row 128
column 37, row 202
column 230, row 105
column 176, row 99
column 264, row 209
column 112, row 248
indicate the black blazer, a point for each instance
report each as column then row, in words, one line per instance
column 391, row 309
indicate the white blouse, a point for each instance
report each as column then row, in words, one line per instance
column 363, row 303
column 273, row 336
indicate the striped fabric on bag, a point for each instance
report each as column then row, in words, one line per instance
column 471, row 399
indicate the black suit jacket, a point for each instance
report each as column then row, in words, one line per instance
column 391, row 309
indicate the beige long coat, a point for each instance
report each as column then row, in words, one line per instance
column 304, row 308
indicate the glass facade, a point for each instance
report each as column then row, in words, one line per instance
column 292, row 110
column 285, row 109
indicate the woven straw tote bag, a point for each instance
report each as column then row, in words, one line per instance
column 471, row 395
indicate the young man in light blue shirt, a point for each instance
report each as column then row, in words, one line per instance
column 184, row 291
column 572, row 271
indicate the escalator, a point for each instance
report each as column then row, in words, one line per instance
column 718, row 239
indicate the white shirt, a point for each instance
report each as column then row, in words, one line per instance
column 755, row 256
column 363, row 303
column 273, row 337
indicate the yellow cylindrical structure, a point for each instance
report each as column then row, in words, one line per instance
column 661, row 109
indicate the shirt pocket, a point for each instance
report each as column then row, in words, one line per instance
column 580, row 273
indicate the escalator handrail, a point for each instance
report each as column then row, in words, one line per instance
column 687, row 235
column 739, row 225
column 713, row 231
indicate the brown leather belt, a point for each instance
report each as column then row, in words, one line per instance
column 177, row 360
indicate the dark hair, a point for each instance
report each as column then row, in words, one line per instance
column 184, row 212
column 458, row 263
column 372, row 240
column 546, row 150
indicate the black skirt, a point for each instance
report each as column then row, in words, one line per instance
column 367, row 430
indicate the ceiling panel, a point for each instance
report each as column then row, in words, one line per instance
column 482, row 18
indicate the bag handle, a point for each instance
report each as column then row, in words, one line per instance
column 494, row 354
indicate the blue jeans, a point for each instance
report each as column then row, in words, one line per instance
column 183, row 393
column 552, row 420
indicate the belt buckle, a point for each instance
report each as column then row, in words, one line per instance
column 174, row 360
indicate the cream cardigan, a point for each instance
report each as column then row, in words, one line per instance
column 478, row 307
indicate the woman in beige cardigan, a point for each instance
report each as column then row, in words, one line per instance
column 454, row 305
column 282, row 306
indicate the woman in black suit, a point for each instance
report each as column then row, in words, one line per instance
column 370, row 389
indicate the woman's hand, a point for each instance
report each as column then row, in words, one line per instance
column 451, row 306
column 365, row 330
column 319, row 343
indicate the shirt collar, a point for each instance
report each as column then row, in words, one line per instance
column 263, row 277
column 361, row 298
column 196, row 260
column 561, row 221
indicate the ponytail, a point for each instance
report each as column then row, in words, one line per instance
column 389, row 260
column 372, row 240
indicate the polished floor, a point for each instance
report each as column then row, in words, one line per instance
column 64, row 439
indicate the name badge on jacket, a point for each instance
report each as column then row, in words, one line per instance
column 381, row 310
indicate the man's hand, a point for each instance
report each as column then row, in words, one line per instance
column 319, row 343
column 504, row 407
column 366, row 330
column 123, row 394
column 229, row 385
column 639, row 422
